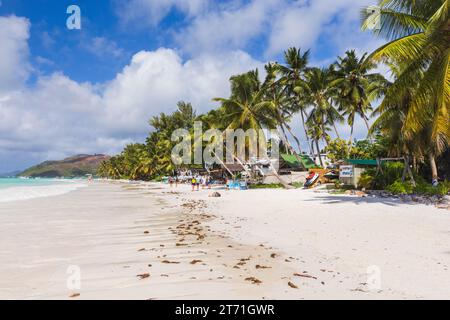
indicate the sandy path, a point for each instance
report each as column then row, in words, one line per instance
column 196, row 247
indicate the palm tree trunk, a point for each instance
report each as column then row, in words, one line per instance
column 275, row 173
column 351, row 134
column 434, row 170
column 283, row 183
column 287, row 145
column 291, row 148
column 318, row 153
column 367, row 123
column 324, row 137
column 306, row 131
column 335, row 130
column 224, row 165
column 288, row 127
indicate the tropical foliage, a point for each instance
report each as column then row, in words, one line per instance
column 339, row 149
column 415, row 111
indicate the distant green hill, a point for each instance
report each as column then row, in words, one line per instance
column 75, row 166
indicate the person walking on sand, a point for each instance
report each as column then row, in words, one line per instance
column 203, row 181
column 193, row 182
column 171, row 182
column 197, row 182
column 208, row 182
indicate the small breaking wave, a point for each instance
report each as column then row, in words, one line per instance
column 31, row 192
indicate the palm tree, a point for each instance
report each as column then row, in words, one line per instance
column 247, row 109
column 358, row 88
column 296, row 64
column 275, row 93
column 419, row 36
column 317, row 132
column 319, row 94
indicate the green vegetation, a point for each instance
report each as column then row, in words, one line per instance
column 412, row 119
column 76, row 166
column 414, row 114
column 390, row 179
column 266, row 186
column 297, row 185
column 399, row 187
column 339, row 149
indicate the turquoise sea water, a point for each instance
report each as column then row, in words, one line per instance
column 17, row 182
column 16, row 189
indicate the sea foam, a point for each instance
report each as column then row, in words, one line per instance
column 31, row 192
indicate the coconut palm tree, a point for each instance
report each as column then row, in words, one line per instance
column 319, row 94
column 247, row 109
column 357, row 86
column 317, row 132
column 274, row 92
column 291, row 73
column 419, row 41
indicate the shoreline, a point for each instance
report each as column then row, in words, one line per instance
column 300, row 244
column 48, row 188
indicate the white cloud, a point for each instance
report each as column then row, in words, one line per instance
column 14, row 67
column 303, row 22
column 154, row 81
column 226, row 27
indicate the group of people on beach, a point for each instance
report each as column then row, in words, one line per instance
column 196, row 182
column 204, row 181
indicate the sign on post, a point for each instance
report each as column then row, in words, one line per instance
column 346, row 171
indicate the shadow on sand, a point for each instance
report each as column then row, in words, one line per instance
column 332, row 199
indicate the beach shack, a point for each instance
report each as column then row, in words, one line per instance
column 290, row 163
column 232, row 169
column 350, row 170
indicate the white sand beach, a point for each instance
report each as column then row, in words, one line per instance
column 145, row 241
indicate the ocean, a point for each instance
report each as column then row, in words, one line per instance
column 16, row 189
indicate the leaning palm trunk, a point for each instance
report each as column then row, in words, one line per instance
column 311, row 149
column 434, row 170
column 351, row 134
column 285, row 139
column 224, row 165
column 367, row 123
column 234, row 157
column 288, row 127
column 336, row 131
column 291, row 148
column 274, row 171
column 239, row 161
column 318, row 153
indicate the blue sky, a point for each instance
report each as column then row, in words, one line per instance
column 92, row 90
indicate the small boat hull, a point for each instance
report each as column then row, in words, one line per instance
column 311, row 180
